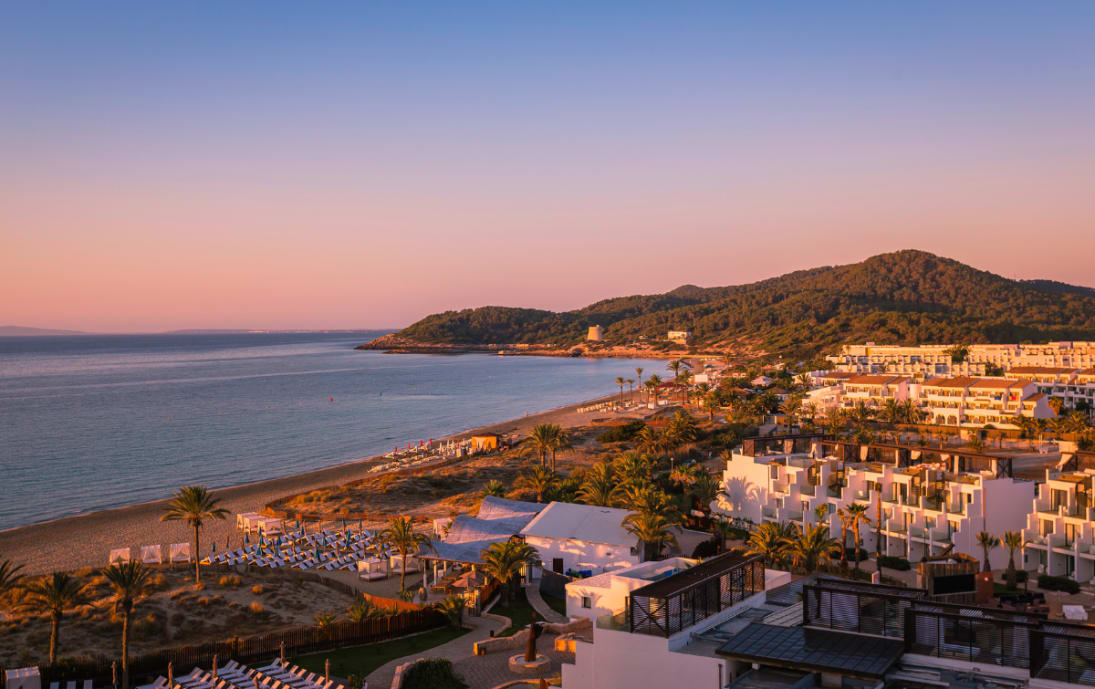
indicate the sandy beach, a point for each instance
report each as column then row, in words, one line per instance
column 85, row 540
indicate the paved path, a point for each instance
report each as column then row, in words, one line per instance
column 456, row 650
column 532, row 592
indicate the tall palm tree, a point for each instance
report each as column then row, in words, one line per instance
column 9, row 576
column 845, row 522
column 639, row 375
column 650, row 440
column 1013, row 541
column 682, row 428
column 771, row 541
column 857, row 516
column 560, row 442
column 650, row 500
column 722, row 531
column 811, row 547
column 987, row 541
column 652, row 529
column 193, row 505
column 541, row 439
column 620, row 381
column 503, row 562
column 634, row 469
column 631, row 388
column 400, row 534
column 711, row 401
column 600, row 486
column 652, row 383
column 538, row 479
column 705, row 488
column 53, row 595
column 128, row 580
column 791, row 408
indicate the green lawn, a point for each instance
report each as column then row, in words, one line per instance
column 519, row 612
column 361, row 660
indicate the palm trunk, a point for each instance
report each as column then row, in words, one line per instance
column 855, row 545
column 553, row 460
column 403, row 572
column 125, row 649
column 1011, row 576
column 197, row 564
column 54, row 632
column 843, row 546
column 878, row 529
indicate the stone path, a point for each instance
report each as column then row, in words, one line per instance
column 456, row 650
column 532, row 592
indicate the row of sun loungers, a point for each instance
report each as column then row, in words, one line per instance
column 71, row 684
column 328, row 550
column 233, row 675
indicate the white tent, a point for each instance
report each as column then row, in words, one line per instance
column 180, row 552
column 120, row 555
column 151, row 554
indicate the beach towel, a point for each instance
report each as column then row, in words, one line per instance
column 180, row 552
column 119, row 555
column 151, row 554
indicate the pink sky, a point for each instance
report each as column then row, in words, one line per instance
column 338, row 172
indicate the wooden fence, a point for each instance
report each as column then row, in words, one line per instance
column 260, row 649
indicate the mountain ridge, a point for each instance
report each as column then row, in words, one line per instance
column 902, row 297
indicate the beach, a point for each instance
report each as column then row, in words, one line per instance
column 86, row 540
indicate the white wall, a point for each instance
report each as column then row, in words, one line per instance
column 744, row 489
column 599, row 557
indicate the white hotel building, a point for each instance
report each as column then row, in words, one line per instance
column 927, row 361
column 929, row 500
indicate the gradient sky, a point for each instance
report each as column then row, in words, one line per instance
column 311, row 165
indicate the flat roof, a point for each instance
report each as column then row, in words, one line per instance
column 716, row 566
column 819, row 650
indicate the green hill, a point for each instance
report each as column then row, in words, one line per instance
column 901, row 297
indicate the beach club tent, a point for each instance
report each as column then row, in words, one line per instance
column 152, row 554
column 180, row 552
column 498, row 520
column 120, row 555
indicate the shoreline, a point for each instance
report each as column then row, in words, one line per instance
column 84, row 540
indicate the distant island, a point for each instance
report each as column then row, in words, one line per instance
column 904, row 297
column 21, row 331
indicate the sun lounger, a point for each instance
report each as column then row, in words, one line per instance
column 87, row 684
column 71, row 684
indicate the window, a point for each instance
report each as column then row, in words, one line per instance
column 1047, row 527
column 587, row 602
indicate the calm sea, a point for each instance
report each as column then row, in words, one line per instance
column 89, row 422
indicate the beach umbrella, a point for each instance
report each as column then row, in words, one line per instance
column 247, row 537
column 214, row 544
column 343, row 524
column 360, row 525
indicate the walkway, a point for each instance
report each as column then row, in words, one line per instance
column 455, row 650
column 532, row 592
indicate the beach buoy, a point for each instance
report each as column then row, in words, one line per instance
column 330, row 399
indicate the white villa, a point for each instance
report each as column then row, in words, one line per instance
column 582, row 538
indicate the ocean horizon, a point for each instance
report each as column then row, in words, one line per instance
column 92, row 422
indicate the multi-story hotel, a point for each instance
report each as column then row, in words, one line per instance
column 929, row 500
column 1059, row 538
column 729, row 623
column 927, row 361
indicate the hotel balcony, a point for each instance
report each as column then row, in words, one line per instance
column 770, row 513
column 780, row 487
column 941, row 535
column 895, row 526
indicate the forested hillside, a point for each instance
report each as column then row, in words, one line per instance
column 901, row 297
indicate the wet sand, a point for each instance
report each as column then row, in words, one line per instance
column 86, row 540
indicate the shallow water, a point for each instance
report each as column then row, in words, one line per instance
column 90, row 422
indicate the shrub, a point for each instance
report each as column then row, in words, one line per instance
column 850, row 553
column 706, row 549
column 619, row 434
column 200, row 586
column 892, row 562
column 435, row 673
column 1049, row 583
column 256, row 607
column 257, row 589
column 229, row 580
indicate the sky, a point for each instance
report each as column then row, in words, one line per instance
column 327, row 165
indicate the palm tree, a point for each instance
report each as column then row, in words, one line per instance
column 9, row 576
column 650, row 500
column 987, row 542
column 675, row 366
column 710, row 401
column 452, row 607
column 791, row 408
column 193, row 505
column 1013, row 541
column 494, row 488
column 401, row 535
column 541, row 439
column 722, row 531
column 682, row 428
column 53, row 595
column 652, row 529
column 600, row 486
column 634, row 469
column 958, row 353
column 650, row 440
column 639, row 375
column 620, row 381
column 857, row 515
column 128, row 580
column 652, row 382
column 503, row 562
column 561, row 441
column 705, row 488
column 631, row 388
column 842, row 515
column 812, row 547
column 364, row 609
column 538, row 479
column 771, row 541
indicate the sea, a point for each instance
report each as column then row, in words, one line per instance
column 98, row 421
